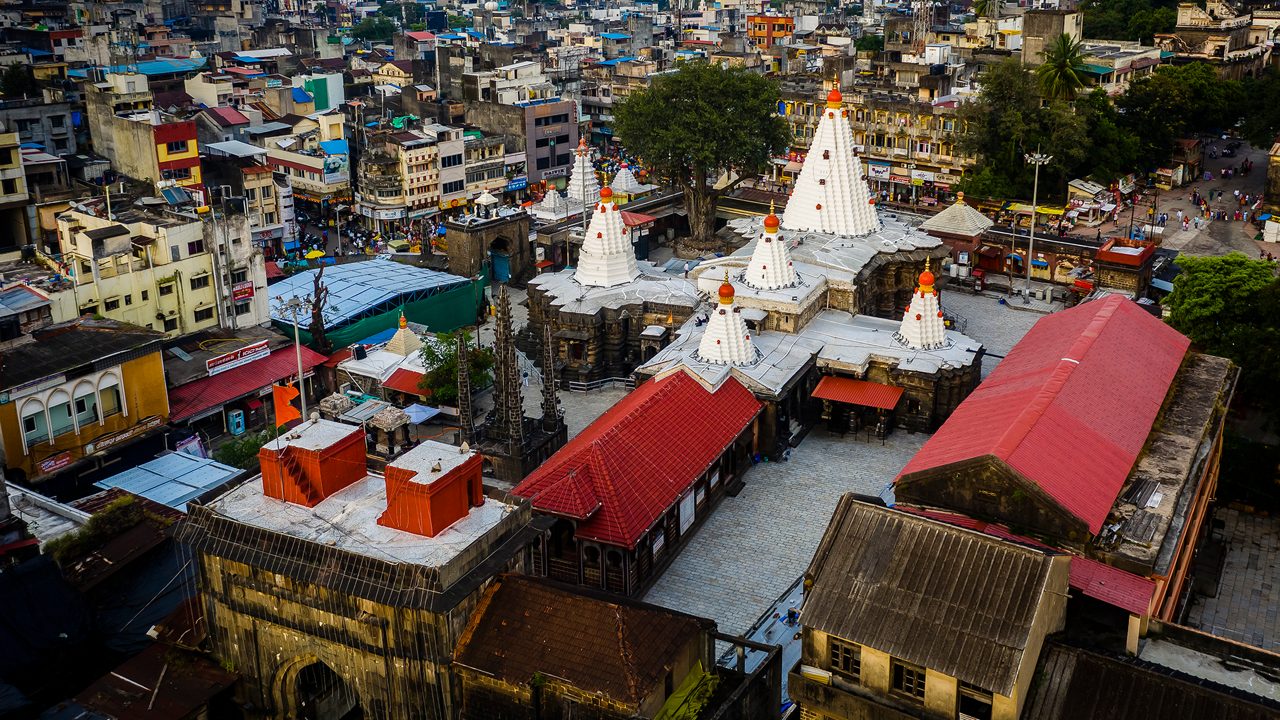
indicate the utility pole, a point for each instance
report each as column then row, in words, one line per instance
column 1036, row 159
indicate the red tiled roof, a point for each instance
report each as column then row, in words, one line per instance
column 632, row 219
column 420, row 35
column 227, row 116
column 858, row 392
column 337, row 357
column 1071, row 406
column 406, row 381
column 635, row 461
column 273, row 270
column 1112, row 586
column 217, row 390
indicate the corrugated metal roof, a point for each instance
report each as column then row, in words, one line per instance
column 355, row 288
column 1112, row 585
column 195, row 397
column 406, row 381
column 635, row 461
column 953, row 600
column 172, row 480
column 857, row 392
column 1073, row 683
column 1069, row 409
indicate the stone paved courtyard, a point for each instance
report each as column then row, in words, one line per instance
column 1247, row 606
column 754, row 546
column 998, row 327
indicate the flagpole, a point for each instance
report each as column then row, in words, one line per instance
column 297, row 349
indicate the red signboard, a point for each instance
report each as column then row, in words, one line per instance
column 56, row 462
column 243, row 356
column 242, row 290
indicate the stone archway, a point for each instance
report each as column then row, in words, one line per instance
column 306, row 688
column 500, row 256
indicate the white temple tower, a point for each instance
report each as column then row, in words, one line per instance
column 727, row 340
column 770, row 267
column 830, row 195
column 606, row 258
column 625, row 183
column 922, row 324
column 583, row 187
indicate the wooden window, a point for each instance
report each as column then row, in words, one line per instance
column 846, row 658
column 974, row 702
column 908, row 680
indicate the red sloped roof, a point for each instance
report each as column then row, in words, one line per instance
column 858, row 392
column 635, row 461
column 227, row 116
column 1070, row 407
column 1111, row 585
column 406, row 381
column 273, row 270
column 216, row 390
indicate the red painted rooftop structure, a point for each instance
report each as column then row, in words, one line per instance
column 1069, row 409
column 635, row 461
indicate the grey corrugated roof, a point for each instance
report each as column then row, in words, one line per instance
column 956, row 601
column 355, row 288
column 20, row 298
column 958, row 219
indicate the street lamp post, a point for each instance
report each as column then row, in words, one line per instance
column 1037, row 159
column 293, row 305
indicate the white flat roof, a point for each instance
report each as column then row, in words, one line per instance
column 313, row 435
column 423, row 459
column 348, row 520
column 653, row 285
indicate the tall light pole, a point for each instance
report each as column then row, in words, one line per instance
column 1037, row 159
column 293, row 305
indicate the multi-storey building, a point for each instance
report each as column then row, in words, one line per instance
column 765, row 31
column 13, row 195
column 313, row 153
column 47, row 124
column 75, row 395
column 149, row 270
column 244, row 170
column 486, row 164
column 139, row 140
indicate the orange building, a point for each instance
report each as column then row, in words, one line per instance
column 312, row 462
column 79, row 394
column 765, row 31
column 431, row 487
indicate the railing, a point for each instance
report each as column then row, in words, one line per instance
column 627, row 382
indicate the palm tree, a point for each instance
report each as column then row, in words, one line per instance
column 984, row 8
column 1062, row 74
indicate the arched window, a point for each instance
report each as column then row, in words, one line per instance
column 35, row 426
column 58, row 408
column 84, row 404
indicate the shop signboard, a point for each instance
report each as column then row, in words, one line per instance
column 519, row 183
column 241, row 356
column 55, row 462
column 242, row 290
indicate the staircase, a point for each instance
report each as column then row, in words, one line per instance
column 293, row 472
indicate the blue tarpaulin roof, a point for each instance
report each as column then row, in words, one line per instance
column 301, row 96
column 421, row 413
column 173, row 480
column 334, row 147
column 164, row 66
column 615, row 36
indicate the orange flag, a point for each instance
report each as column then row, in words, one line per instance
column 281, row 396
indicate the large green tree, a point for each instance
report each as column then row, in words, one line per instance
column 1061, row 75
column 377, row 28
column 1009, row 120
column 17, row 82
column 1230, row 306
column 1262, row 109
column 1128, row 19
column 1178, row 101
column 696, row 124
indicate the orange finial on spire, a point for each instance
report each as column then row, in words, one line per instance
column 726, row 290
column 926, row 278
column 771, row 221
column 834, row 98
column 403, row 322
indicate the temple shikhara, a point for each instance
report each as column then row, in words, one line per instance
column 836, row 302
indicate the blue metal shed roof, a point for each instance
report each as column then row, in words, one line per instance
column 173, row 480
column 164, row 66
column 301, row 96
column 357, row 288
column 334, row 147
column 615, row 36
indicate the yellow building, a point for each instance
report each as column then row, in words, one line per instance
column 149, row 270
column 13, row 195
column 139, row 140
column 79, row 394
column 907, row 617
column 395, row 72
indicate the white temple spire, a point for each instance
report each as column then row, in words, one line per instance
column 583, row 187
column 923, row 326
column 831, row 195
column 606, row 258
column 727, row 340
column 770, row 267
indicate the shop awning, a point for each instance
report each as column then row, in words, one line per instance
column 857, row 392
column 421, row 413
column 214, row 391
column 1039, row 263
